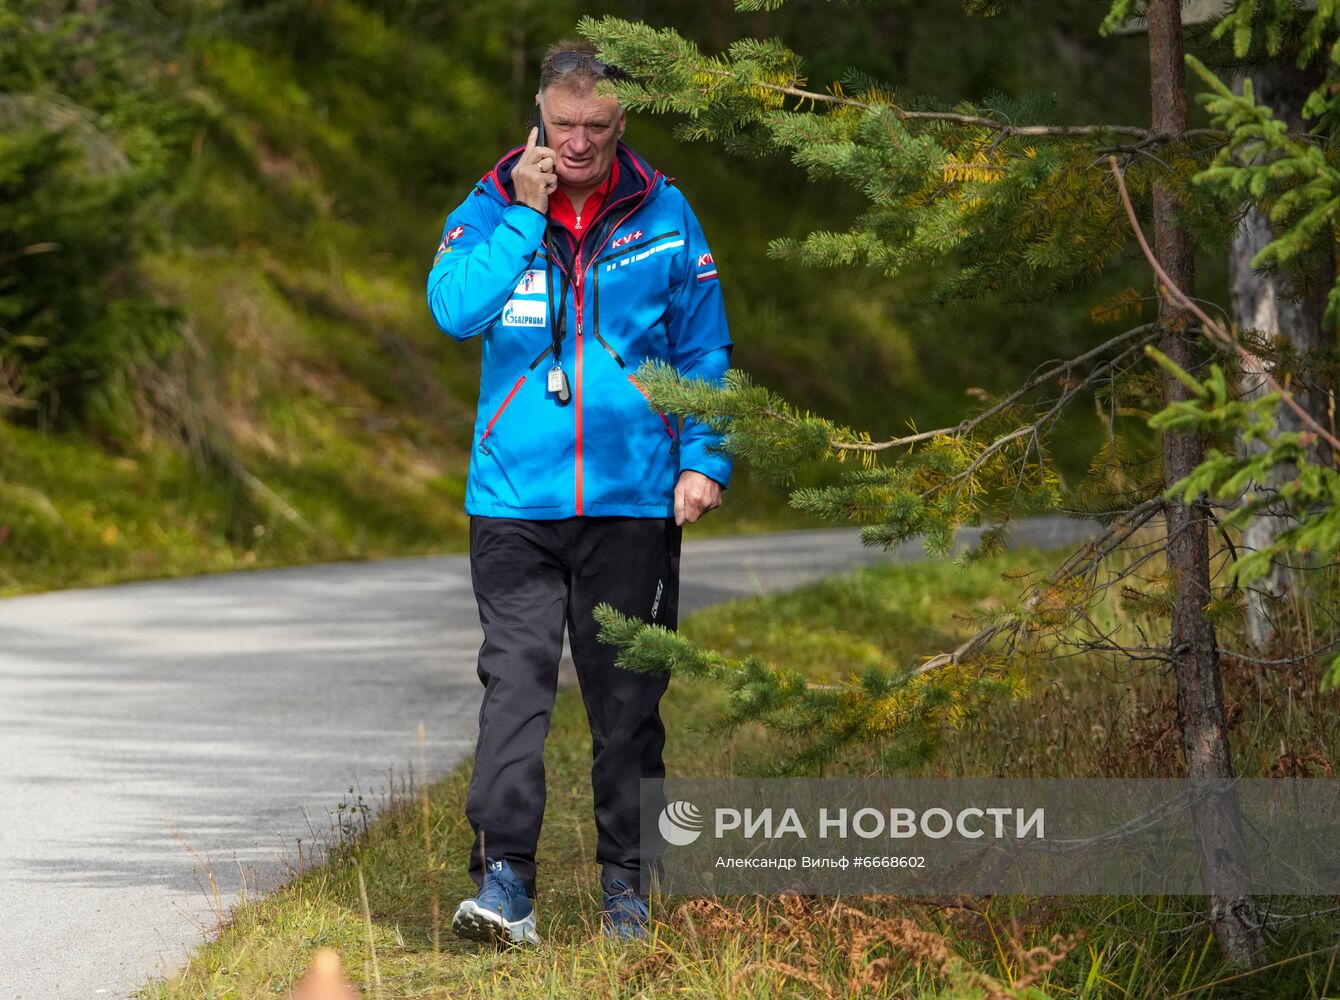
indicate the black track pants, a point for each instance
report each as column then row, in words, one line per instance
column 531, row 578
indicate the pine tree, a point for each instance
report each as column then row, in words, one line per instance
column 90, row 129
column 1022, row 207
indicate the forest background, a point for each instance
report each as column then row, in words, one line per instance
column 218, row 217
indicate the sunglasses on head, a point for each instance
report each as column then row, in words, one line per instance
column 567, row 62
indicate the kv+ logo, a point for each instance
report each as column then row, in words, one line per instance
column 681, row 823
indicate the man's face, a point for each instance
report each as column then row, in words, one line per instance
column 583, row 130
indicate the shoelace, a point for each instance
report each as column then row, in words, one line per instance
column 493, row 893
column 622, row 893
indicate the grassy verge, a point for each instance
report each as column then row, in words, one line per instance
column 410, row 861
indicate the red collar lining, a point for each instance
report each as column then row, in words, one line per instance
column 561, row 210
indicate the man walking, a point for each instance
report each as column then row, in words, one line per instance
column 575, row 261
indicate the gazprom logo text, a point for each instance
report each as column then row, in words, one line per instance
column 524, row 312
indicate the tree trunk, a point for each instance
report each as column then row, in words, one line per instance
column 1283, row 308
column 1200, row 693
column 520, row 69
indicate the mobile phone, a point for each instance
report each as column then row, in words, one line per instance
column 536, row 120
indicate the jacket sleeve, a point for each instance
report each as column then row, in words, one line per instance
column 700, row 345
column 482, row 256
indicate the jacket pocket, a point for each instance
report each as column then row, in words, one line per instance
column 488, row 430
column 665, row 420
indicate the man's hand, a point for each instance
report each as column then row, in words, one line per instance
column 695, row 495
column 534, row 176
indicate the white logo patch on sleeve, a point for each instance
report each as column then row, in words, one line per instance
column 524, row 312
column 531, row 283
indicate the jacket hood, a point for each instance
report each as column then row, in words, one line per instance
column 635, row 176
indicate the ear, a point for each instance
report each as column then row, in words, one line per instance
column 623, row 122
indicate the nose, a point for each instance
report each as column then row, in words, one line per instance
column 579, row 140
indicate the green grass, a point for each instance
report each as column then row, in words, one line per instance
column 412, row 857
column 74, row 515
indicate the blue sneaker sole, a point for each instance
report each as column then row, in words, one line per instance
column 474, row 923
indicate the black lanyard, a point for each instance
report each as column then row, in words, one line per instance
column 557, row 324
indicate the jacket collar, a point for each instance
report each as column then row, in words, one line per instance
column 636, row 176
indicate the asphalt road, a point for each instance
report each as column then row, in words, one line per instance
column 152, row 732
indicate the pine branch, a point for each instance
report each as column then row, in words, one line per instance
column 944, row 479
column 1066, row 397
column 1004, row 129
column 816, row 719
column 671, row 393
column 908, row 702
column 942, row 181
column 1078, row 565
column 627, row 38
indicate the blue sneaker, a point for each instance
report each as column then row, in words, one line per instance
column 502, row 913
column 625, row 913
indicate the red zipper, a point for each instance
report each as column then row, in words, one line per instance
column 489, row 429
column 578, row 283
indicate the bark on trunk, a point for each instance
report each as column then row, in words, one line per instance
column 1200, row 693
column 1283, row 307
column 517, row 88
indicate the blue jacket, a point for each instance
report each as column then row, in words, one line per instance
column 640, row 284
